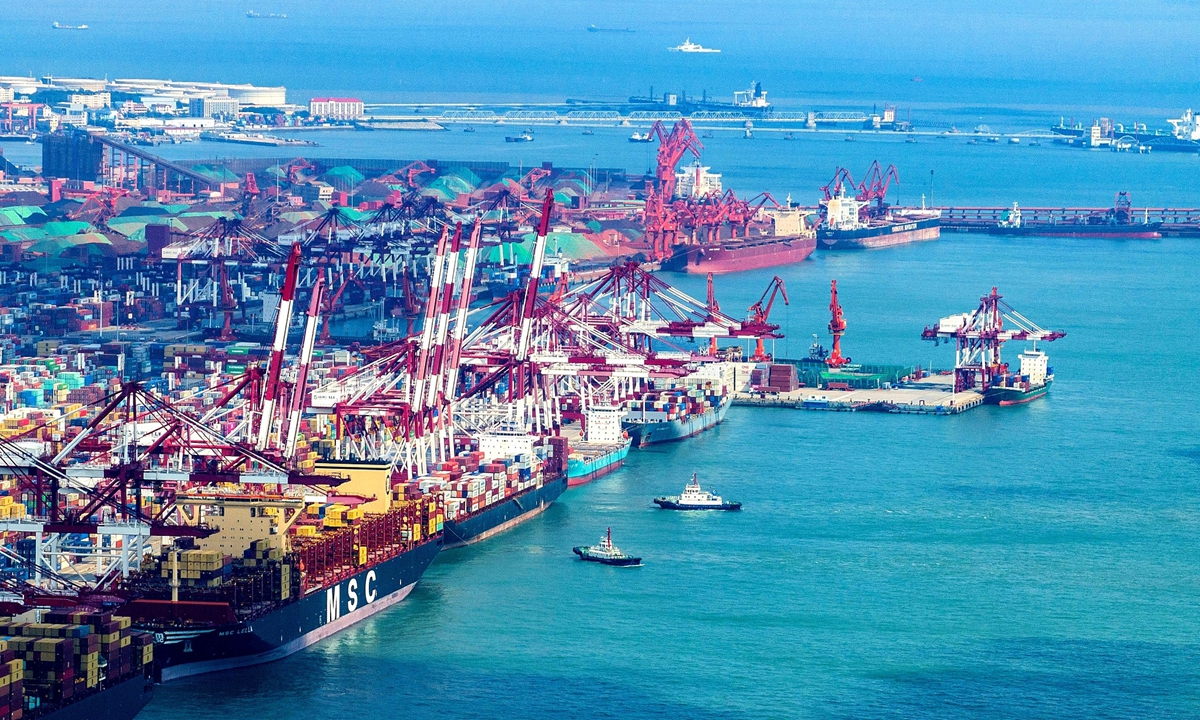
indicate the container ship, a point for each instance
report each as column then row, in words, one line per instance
column 1116, row 223
column 1030, row 383
column 484, row 498
column 603, row 448
column 479, row 497
column 73, row 664
column 851, row 224
column 278, row 574
column 674, row 414
column 589, row 461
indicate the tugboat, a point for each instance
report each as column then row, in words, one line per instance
column 606, row 553
column 693, row 498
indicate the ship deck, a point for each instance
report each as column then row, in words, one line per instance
column 933, row 395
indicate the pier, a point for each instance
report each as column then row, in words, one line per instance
column 1183, row 222
column 933, row 395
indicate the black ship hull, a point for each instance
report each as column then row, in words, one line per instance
column 503, row 515
column 122, row 701
column 1138, row 231
column 183, row 652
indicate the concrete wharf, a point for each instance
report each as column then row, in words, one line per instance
column 933, row 395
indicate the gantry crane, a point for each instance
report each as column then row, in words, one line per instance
column 978, row 338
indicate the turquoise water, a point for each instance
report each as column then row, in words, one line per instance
column 1037, row 561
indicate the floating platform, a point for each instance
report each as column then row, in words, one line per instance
column 932, row 395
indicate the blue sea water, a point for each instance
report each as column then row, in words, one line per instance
column 1038, row 561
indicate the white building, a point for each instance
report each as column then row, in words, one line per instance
column 695, row 181
column 220, row 106
column 337, row 108
column 94, row 101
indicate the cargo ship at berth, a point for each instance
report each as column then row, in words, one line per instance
column 120, row 701
column 303, row 571
column 734, row 256
column 787, row 239
column 851, row 224
column 589, row 461
column 603, row 447
column 484, row 498
column 1031, row 382
column 674, row 415
column 72, row 664
column 1115, row 224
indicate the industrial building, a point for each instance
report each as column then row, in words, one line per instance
column 337, row 108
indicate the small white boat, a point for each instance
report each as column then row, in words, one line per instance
column 687, row 46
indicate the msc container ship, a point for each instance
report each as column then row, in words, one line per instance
column 850, row 224
column 72, row 664
column 303, row 571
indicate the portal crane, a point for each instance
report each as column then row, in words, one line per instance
column 837, row 326
column 874, row 187
column 760, row 312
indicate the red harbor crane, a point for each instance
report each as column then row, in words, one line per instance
column 837, row 327
column 759, row 313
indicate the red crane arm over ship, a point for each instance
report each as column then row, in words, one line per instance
column 760, row 312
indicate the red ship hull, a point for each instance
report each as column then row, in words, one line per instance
column 735, row 257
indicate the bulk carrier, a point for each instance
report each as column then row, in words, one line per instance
column 777, row 236
column 1116, row 223
column 852, row 224
column 735, row 256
